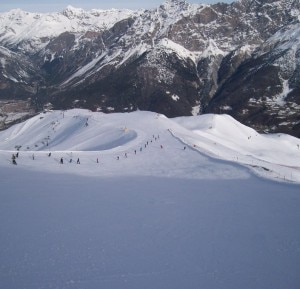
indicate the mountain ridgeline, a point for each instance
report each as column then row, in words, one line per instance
column 179, row 59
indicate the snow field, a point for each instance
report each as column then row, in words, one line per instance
column 62, row 230
column 180, row 213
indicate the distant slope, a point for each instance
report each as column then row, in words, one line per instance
column 167, row 146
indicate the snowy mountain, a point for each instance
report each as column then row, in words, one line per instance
column 275, row 101
column 178, row 59
column 154, row 202
column 31, row 32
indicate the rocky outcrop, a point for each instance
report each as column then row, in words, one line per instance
column 263, row 91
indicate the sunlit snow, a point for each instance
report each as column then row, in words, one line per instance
column 190, row 202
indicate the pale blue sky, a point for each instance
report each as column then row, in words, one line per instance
column 59, row 5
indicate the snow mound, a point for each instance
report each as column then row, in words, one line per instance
column 191, row 147
column 223, row 137
column 222, row 123
column 74, row 130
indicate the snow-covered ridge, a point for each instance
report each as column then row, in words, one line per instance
column 179, row 8
column 169, row 45
column 220, row 136
column 18, row 25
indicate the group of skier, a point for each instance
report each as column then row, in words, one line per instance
column 141, row 147
column 15, row 156
column 154, row 138
column 70, row 161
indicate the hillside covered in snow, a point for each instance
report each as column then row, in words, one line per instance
column 91, row 135
column 138, row 200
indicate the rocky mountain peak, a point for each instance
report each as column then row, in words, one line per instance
column 174, row 4
column 72, row 12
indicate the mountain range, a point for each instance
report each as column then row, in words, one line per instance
column 242, row 59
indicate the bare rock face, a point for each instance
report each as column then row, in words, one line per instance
column 178, row 59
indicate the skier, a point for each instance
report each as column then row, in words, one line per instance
column 49, row 155
column 78, row 161
column 17, row 154
column 33, row 156
column 184, row 148
column 13, row 158
column 61, row 160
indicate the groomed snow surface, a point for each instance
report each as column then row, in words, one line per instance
column 155, row 203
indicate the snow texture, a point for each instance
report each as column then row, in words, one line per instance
column 154, row 203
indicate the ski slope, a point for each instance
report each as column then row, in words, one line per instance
column 208, row 139
column 190, row 202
